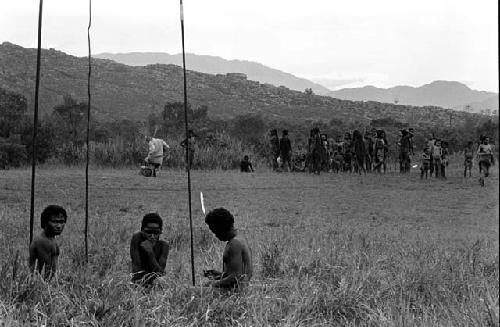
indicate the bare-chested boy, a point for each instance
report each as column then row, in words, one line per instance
column 236, row 260
column 148, row 253
column 485, row 158
column 44, row 251
column 468, row 157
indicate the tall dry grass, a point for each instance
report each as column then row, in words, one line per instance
column 220, row 152
column 304, row 277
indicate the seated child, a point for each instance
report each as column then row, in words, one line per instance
column 44, row 250
column 246, row 165
column 148, row 253
column 236, row 260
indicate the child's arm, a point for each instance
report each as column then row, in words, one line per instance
column 147, row 246
column 162, row 261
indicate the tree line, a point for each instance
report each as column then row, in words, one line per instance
column 221, row 142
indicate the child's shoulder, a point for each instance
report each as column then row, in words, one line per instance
column 43, row 242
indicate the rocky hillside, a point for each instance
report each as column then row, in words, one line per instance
column 217, row 65
column 446, row 94
column 121, row 91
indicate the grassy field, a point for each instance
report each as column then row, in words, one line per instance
column 328, row 250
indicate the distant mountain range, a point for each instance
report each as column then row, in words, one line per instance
column 217, row 65
column 444, row 94
column 132, row 92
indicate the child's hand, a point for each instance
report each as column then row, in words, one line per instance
column 211, row 274
column 147, row 245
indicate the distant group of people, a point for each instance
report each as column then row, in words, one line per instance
column 353, row 153
column 368, row 152
column 148, row 253
column 434, row 158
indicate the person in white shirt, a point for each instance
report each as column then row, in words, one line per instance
column 156, row 152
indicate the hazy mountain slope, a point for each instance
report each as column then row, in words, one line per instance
column 444, row 94
column 120, row 91
column 218, row 65
column 490, row 103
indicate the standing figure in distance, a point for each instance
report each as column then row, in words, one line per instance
column 359, row 151
column 444, row 159
column 485, row 158
column 369, row 151
column 379, row 152
column 437, row 152
column 404, row 151
column 189, row 144
column 386, row 150
column 286, row 150
column 148, row 253
column 317, row 150
column 468, row 157
column 237, row 260
column 274, row 144
column 44, row 250
column 430, row 144
column 425, row 164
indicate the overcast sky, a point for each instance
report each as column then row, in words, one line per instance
column 338, row 42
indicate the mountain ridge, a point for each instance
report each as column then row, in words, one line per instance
column 133, row 92
column 446, row 94
column 217, row 65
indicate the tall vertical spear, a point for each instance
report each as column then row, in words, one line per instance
column 86, row 232
column 35, row 122
column 188, row 163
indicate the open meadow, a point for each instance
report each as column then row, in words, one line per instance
column 334, row 249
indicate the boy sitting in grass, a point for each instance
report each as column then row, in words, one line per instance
column 148, row 253
column 44, row 250
column 236, row 260
column 246, row 165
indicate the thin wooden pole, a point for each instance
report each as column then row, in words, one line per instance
column 86, row 232
column 188, row 162
column 35, row 122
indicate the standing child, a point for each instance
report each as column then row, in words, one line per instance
column 44, row 250
column 286, row 151
column 485, row 158
column 444, row 159
column 379, row 152
column 338, row 160
column 189, row 144
column 436, row 157
column 468, row 156
column 274, row 144
column 425, row 165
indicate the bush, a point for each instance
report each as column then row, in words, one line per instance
column 12, row 155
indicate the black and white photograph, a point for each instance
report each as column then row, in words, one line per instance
column 255, row 163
